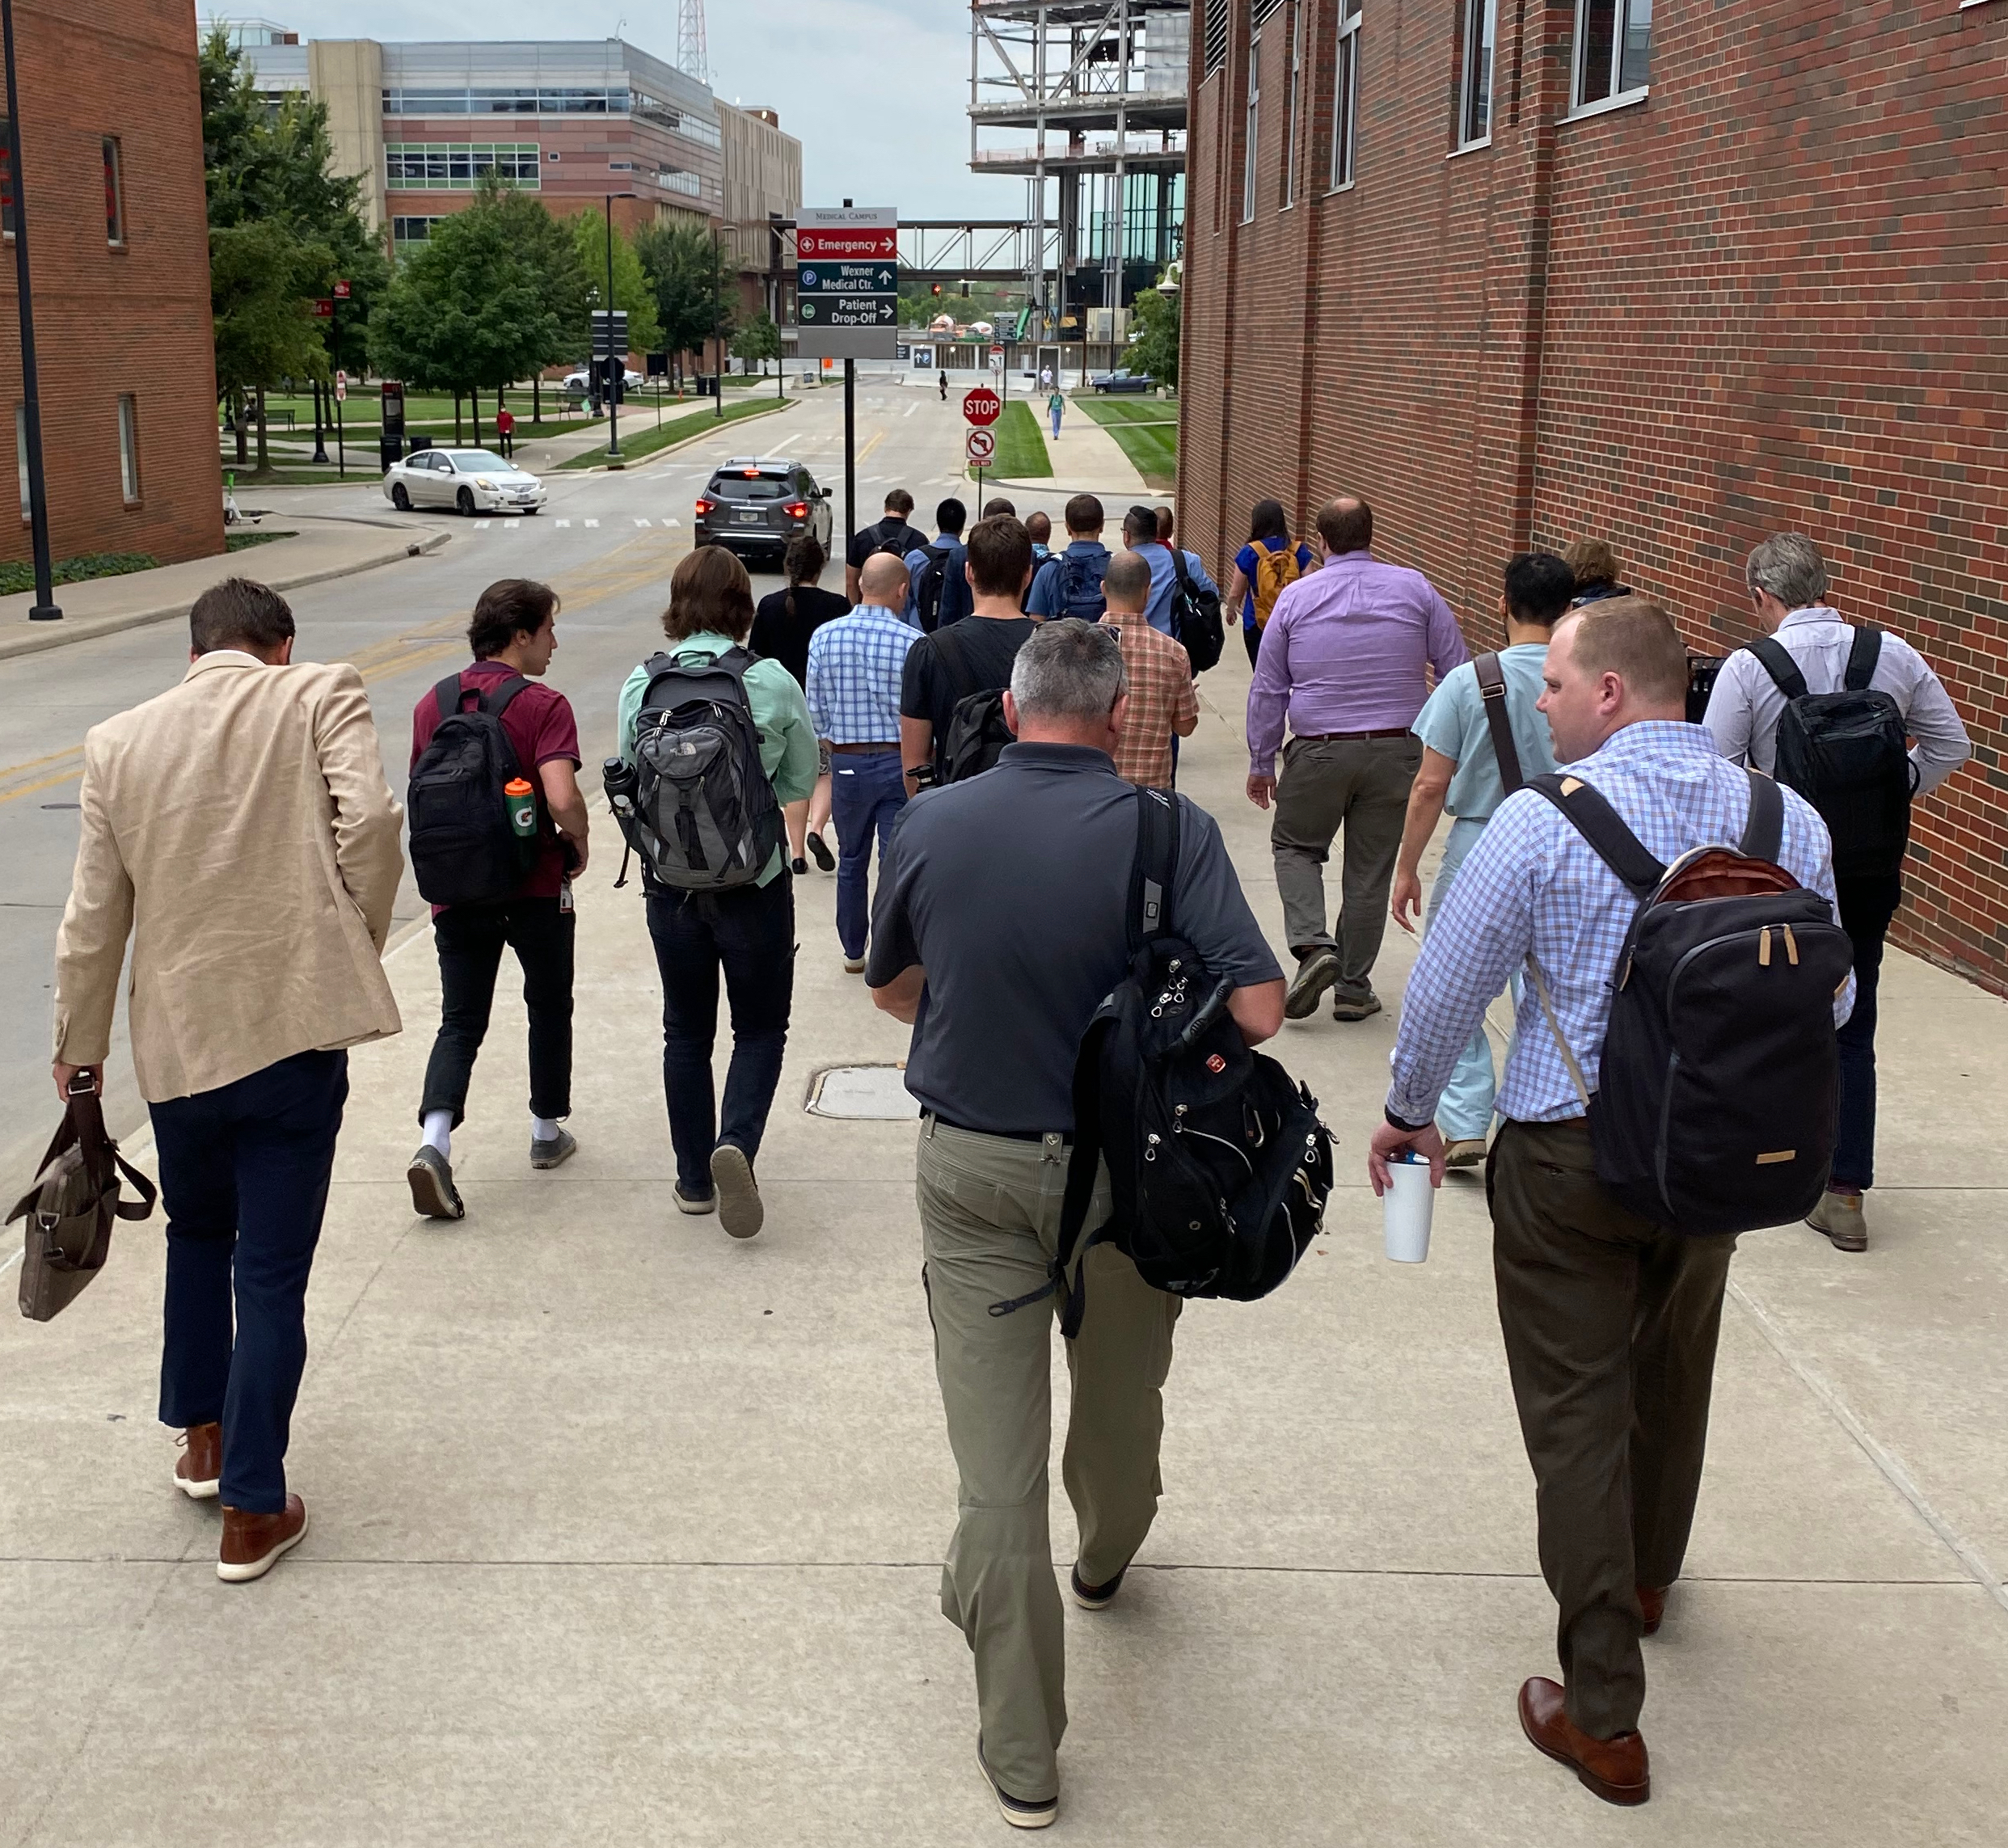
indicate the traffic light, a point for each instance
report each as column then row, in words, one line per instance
column 938, row 290
column 965, row 291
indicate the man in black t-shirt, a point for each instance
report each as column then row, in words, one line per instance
column 892, row 534
column 972, row 655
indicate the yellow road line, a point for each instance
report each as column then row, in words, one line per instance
column 36, row 763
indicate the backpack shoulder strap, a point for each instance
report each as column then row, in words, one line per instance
column 953, row 656
column 1178, row 566
column 446, row 696
column 1491, row 679
column 1764, row 834
column 1154, row 873
column 1863, row 657
column 1604, row 827
column 496, row 701
column 1772, row 656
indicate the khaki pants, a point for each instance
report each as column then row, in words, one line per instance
column 1610, row 1326
column 1362, row 785
column 989, row 1209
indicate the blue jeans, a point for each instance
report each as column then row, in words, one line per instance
column 1867, row 906
column 1056, row 422
column 867, row 790
column 1464, row 1113
column 244, row 1172
column 748, row 934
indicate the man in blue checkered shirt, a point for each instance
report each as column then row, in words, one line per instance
column 856, row 666
column 1610, row 1321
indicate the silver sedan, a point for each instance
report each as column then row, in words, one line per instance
column 475, row 481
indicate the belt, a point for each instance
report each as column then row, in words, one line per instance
column 1350, row 737
column 1065, row 1136
column 864, row 750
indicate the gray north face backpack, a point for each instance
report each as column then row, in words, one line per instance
column 704, row 816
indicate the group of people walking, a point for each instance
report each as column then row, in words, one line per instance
column 976, row 715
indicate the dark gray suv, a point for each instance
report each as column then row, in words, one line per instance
column 754, row 505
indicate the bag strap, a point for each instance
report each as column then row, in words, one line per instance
column 86, row 1114
column 962, row 673
column 1554, row 1027
column 1863, row 657
column 497, row 702
column 1764, row 834
column 1491, row 679
column 446, row 696
column 1784, row 671
column 1601, row 826
column 1178, row 566
column 1153, row 872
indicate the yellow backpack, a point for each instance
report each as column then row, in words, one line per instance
column 1274, row 572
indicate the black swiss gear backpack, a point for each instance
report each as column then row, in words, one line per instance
column 977, row 733
column 1720, row 1080
column 1218, row 1162
column 705, row 818
column 1847, row 753
column 1195, row 617
column 928, row 586
column 464, row 850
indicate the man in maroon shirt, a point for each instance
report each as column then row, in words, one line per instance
column 514, row 632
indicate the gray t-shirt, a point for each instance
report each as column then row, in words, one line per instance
column 1011, row 890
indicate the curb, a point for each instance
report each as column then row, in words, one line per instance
column 89, row 628
column 671, row 449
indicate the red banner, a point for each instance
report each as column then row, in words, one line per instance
column 861, row 246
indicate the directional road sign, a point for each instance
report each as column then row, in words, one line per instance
column 982, row 407
column 981, row 446
column 848, row 278
column 847, row 282
column 849, row 312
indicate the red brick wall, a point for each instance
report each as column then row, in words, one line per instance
column 1769, row 296
column 110, row 322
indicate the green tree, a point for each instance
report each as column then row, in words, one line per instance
column 759, row 341
column 631, row 287
column 261, row 275
column 1155, row 349
column 694, row 281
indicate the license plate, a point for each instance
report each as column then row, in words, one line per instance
column 751, row 519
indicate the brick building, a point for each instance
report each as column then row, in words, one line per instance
column 119, row 238
column 1521, row 271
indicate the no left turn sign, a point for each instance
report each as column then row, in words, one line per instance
column 982, row 447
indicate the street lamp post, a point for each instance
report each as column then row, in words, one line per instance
column 718, row 329
column 45, row 610
column 614, row 379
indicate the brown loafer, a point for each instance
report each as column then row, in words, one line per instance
column 199, row 1469
column 1613, row 1769
column 254, row 1543
column 1651, row 1607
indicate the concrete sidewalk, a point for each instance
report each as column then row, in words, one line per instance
column 623, row 1531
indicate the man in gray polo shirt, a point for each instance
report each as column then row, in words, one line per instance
column 1000, row 925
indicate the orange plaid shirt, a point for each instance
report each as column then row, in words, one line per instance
column 1161, row 700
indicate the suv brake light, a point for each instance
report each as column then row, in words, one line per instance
column 705, row 504
column 796, row 510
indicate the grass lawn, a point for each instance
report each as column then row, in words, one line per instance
column 1146, row 431
column 1021, row 450
column 651, row 438
column 18, row 575
column 363, row 468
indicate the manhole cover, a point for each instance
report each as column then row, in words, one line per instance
column 862, row 1093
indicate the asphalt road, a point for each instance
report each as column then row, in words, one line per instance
column 607, row 542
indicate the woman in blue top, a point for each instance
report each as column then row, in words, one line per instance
column 1269, row 532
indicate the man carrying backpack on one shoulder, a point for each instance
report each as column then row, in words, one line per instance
column 1071, row 585
column 1825, row 708
column 1610, row 1314
column 939, row 593
column 498, row 713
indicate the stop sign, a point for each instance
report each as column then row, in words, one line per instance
column 982, row 406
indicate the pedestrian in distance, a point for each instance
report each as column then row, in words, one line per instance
column 237, row 830
column 942, row 377
column 1055, row 405
column 744, row 932
column 1141, row 535
column 1045, row 378
column 1610, row 1318
column 1811, row 652
column 1163, row 705
column 782, row 624
column 1072, row 584
column 505, row 431
column 1462, row 771
column 1264, row 568
column 513, row 635
column 1346, row 667
column 1595, row 567
column 892, row 535
column 856, row 665
column 997, row 505
column 1028, row 868
column 937, row 591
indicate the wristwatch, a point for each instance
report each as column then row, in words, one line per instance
column 1406, row 1129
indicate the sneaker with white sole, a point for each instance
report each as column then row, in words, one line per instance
column 199, row 1469
column 854, row 965
column 701, row 1204
column 253, row 1544
column 1016, row 1811
column 548, row 1154
column 739, row 1209
column 1093, row 1597
column 433, row 1194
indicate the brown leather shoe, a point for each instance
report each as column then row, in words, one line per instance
column 199, row 1469
column 1613, row 1769
column 252, row 1543
column 1651, row 1607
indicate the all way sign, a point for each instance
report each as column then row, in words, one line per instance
column 847, row 281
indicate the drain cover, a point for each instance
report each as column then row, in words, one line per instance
column 862, row 1093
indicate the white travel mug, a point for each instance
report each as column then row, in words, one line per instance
column 1407, row 1208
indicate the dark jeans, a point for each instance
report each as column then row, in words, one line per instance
column 867, row 790
column 1253, row 638
column 1611, row 1325
column 244, row 1172
column 1867, row 906
column 470, row 938
column 748, row 934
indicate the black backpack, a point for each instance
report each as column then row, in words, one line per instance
column 1195, row 619
column 893, row 543
column 1846, row 753
column 1720, row 1080
column 928, row 586
column 704, row 818
column 1217, row 1162
column 976, row 734
column 464, row 850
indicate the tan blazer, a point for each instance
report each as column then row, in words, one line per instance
column 240, row 828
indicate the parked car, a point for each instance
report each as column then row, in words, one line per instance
column 475, row 481
column 578, row 384
column 753, row 505
column 1122, row 379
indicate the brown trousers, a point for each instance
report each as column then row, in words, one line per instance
column 1610, row 1324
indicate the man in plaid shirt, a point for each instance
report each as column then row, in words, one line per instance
column 1162, row 699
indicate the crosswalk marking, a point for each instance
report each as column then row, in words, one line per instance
column 673, row 522
column 564, row 522
column 593, row 522
column 641, row 522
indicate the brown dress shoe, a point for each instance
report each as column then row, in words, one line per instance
column 199, row 1469
column 1651, row 1607
column 1613, row 1769
column 252, row 1543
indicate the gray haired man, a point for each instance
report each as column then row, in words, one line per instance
column 999, row 924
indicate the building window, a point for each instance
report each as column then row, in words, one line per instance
column 675, row 180
column 1474, row 89
column 6, row 181
column 1297, row 91
column 456, row 166
column 129, row 450
column 20, row 462
column 411, row 230
column 1253, row 129
column 1613, row 41
column 114, row 194
column 1345, row 93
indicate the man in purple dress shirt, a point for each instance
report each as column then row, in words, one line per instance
column 1342, row 658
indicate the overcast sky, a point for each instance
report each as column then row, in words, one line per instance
column 874, row 90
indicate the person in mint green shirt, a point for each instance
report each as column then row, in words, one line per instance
column 746, row 933
column 1460, row 772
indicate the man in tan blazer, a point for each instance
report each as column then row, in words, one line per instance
column 239, row 829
